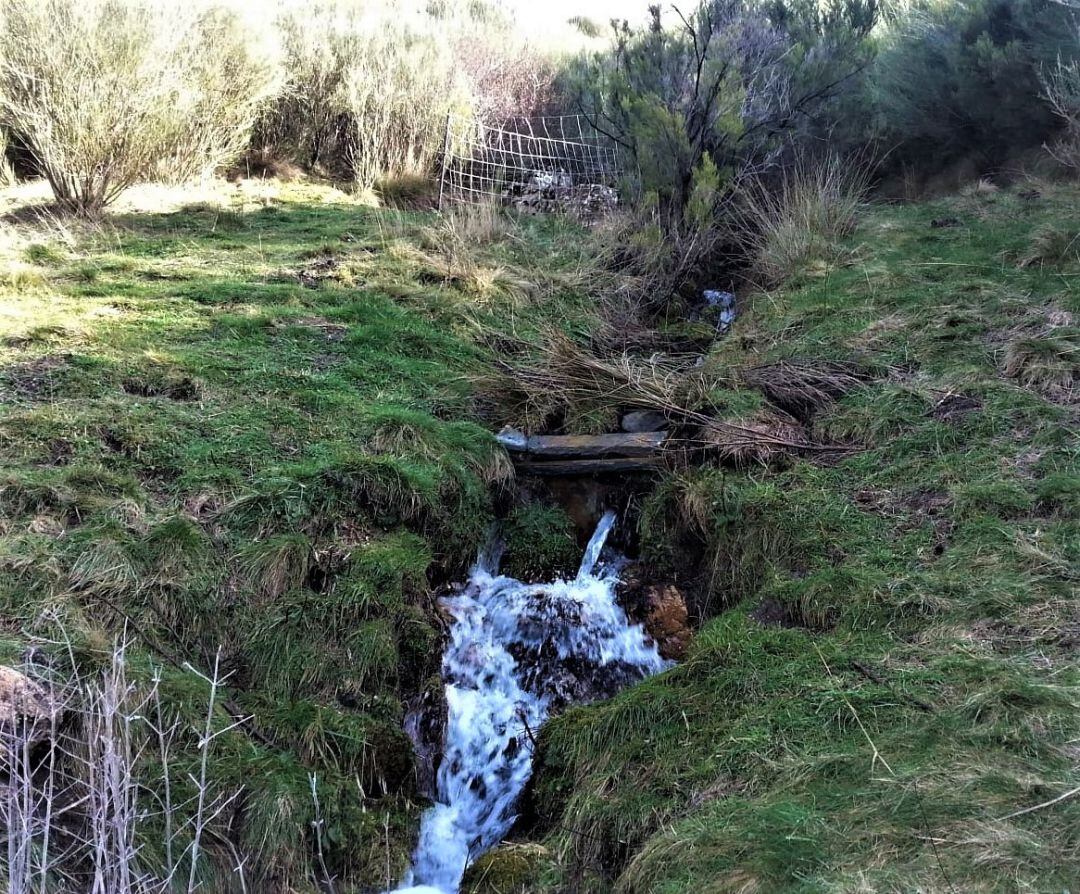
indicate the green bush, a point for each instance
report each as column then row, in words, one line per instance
column 961, row 80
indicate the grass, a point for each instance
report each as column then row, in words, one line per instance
column 905, row 710
column 249, row 422
column 254, row 422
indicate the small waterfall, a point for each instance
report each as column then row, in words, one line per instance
column 516, row 652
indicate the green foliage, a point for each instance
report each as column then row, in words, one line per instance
column 540, row 543
column 961, row 80
column 721, row 84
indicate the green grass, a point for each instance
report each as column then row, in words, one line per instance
column 251, row 426
column 254, row 426
column 922, row 688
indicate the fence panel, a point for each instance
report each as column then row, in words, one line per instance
column 551, row 164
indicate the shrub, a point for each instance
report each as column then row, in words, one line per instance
column 1061, row 89
column 106, row 92
column 959, row 80
column 370, row 88
column 719, row 85
column 232, row 69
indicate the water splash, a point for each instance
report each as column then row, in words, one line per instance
column 516, row 652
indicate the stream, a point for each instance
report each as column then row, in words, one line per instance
column 517, row 652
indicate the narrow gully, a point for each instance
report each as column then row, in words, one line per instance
column 517, row 652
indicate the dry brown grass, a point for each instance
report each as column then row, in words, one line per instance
column 799, row 219
column 564, row 377
column 803, row 388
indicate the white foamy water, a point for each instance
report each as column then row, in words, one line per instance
column 516, row 651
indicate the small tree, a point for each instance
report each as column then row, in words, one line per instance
column 105, row 92
column 723, row 83
column 1061, row 89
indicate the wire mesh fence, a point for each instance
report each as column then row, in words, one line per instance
column 550, row 164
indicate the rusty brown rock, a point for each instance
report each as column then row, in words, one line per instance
column 667, row 621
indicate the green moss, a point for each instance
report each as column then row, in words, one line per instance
column 508, row 869
column 540, row 543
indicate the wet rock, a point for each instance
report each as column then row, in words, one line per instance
column 667, row 621
column 425, row 725
column 660, row 608
column 25, row 708
column 507, row 869
column 641, row 421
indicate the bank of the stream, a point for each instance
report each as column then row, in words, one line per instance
column 883, row 694
column 264, row 423
column 248, row 424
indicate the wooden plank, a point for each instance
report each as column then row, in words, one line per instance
column 583, row 446
column 591, row 466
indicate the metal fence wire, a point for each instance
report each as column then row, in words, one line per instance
column 550, row 164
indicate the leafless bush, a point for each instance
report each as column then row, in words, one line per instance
column 1061, row 89
column 77, row 805
column 107, row 92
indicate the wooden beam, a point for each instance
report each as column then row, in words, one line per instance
column 585, row 446
column 591, row 466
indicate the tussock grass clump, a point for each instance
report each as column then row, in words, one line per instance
column 1053, row 246
column 801, row 217
column 1048, row 364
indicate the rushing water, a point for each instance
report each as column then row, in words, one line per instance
column 516, row 652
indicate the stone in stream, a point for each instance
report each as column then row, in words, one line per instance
column 667, row 621
column 641, row 421
column 661, row 609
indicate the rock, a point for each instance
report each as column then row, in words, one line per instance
column 642, row 421
column 667, row 620
column 506, row 869
column 425, row 725
column 512, row 438
column 660, row 608
column 24, row 705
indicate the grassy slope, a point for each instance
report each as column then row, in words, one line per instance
column 211, row 430
column 928, row 689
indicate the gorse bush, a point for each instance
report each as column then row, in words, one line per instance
column 107, row 92
column 369, row 87
column 960, row 80
column 721, row 83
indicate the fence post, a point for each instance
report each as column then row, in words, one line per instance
column 445, row 161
